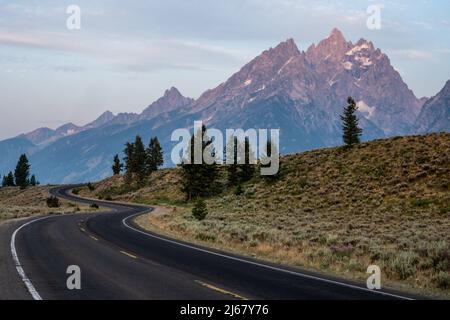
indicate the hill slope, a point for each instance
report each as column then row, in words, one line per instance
column 385, row 202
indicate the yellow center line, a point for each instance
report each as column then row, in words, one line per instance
column 92, row 237
column 128, row 254
column 82, row 229
column 223, row 291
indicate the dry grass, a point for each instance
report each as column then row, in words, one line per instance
column 17, row 203
column 162, row 188
column 384, row 202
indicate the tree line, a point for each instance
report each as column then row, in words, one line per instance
column 21, row 176
column 199, row 181
column 139, row 161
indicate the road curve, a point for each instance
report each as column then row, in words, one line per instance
column 120, row 261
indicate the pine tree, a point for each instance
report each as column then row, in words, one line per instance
column 22, row 172
column 10, row 180
column 117, row 165
column 139, row 160
column 129, row 154
column 351, row 130
column 241, row 169
column 232, row 168
column 200, row 210
column 247, row 169
column 154, row 156
column 198, row 180
column 33, row 181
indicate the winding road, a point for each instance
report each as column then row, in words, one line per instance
column 118, row 260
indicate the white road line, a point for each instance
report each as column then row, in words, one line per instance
column 31, row 289
column 124, row 222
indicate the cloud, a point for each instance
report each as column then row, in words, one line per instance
column 133, row 54
column 413, row 54
column 68, row 68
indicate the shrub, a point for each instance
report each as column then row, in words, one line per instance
column 206, row 237
column 53, row 202
column 76, row 191
column 342, row 251
column 439, row 253
column 238, row 191
column 199, row 211
column 420, row 203
column 303, row 182
column 108, row 198
column 404, row 264
column 90, row 186
column 442, row 280
column 94, row 206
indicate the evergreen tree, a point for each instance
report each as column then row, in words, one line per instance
column 33, row 181
column 139, row 160
column 10, row 180
column 351, row 130
column 117, row 165
column 232, row 168
column 199, row 211
column 129, row 154
column 198, row 180
column 241, row 170
column 22, row 172
column 4, row 181
column 154, row 156
column 247, row 169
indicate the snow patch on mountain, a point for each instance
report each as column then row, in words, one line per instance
column 365, row 61
column 358, row 48
column 284, row 65
column 365, row 109
column 347, row 65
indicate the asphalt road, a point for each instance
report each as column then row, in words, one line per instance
column 120, row 261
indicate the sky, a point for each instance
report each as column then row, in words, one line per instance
column 127, row 53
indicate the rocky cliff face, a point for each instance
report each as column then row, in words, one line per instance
column 435, row 114
column 365, row 73
column 317, row 83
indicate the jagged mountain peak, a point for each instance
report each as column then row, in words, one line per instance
column 106, row 114
column 171, row 100
column 173, row 92
column 336, row 34
column 329, row 49
column 67, row 127
column 286, row 48
column 103, row 119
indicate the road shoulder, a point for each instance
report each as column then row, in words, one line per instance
column 11, row 286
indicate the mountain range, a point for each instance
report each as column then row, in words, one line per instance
column 300, row 92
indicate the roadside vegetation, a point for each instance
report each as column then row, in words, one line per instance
column 338, row 210
column 33, row 201
column 22, row 196
column 21, row 176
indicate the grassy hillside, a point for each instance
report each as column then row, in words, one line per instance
column 384, row 202
column 17, row 203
